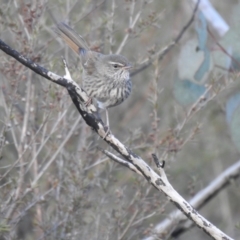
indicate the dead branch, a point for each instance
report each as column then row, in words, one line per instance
column 91, row 117
column 176, row 222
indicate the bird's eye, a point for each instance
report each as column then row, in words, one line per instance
column 115, row 66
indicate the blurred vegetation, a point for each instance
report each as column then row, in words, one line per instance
column 83, row 194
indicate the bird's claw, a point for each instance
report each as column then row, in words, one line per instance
column 88, row 102
column 107, row 131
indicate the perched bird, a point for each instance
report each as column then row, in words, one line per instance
column 105, row 77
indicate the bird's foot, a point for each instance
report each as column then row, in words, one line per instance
column 107, row 131
column 88, row 102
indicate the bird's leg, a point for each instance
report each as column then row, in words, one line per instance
column 107, row 124
column 88, row 102
column 107, row 118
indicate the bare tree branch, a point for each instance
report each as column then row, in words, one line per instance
column 122, row 161
column 91, row 117
column 176, row 222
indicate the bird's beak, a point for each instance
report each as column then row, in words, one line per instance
column 128, row 67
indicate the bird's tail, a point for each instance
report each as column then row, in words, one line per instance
column 74, row 40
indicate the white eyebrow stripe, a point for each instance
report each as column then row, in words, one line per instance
column 117, row 63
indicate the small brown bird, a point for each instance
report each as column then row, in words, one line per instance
column 105, row 77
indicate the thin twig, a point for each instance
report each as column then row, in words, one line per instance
column 121, row 161
column 160, row 54
column 129, row 224
column 132, row 23
column 47, row 165
column 222, row 48
column 21, row 21
column 22, row 142
column 93, row 9
column 111, row 27
column 31, row 205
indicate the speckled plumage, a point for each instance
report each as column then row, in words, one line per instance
column 105, row 77
column 109, row 86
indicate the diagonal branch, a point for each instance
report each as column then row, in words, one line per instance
column 91, row 117
column 176, row 223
